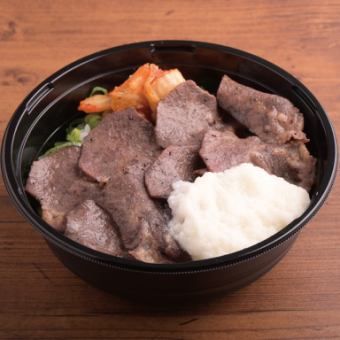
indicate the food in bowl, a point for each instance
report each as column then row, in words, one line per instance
column 107, row 185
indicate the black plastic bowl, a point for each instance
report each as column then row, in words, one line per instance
column 41, row 119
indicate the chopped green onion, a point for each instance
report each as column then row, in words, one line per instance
column 93, row 120
column 98, row 90
column 74, row 136
column 59, row 143
column 75, row 133
column 77, row 123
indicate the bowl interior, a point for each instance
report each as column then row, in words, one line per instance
column 42, row 118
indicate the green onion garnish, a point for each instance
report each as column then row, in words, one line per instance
column 93, row 120
column 98, row 90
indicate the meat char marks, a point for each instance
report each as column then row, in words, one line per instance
column 117, row 153
column 91, row 226
column 56, row 182
column 184, row 115
column 174, row 163
column 271, row 117
column 222, row 150
column 292, row 161
column 121, row 140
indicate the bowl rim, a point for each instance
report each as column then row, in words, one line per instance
column 16, row 190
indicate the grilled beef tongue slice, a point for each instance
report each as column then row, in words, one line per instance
column 174, row 163
column 56, row 182
column 292, row 161
column 93, row 227
column 184, row 115
column 271, row 117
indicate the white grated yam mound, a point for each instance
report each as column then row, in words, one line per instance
column 221, row 213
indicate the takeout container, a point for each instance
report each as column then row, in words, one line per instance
column 43, row 115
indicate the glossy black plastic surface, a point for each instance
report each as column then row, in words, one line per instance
column 41, row 119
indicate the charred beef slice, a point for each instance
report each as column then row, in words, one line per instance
column 272, row 118
column 174, row 163
column 292, row 161
column 117, row 152
column 222, row 150
column 56, row 182
column 184, row 115
column 91, row 226
column 121, row 139
column 148, row 248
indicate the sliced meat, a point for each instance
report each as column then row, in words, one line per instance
column 292, row 161
column 272, row 118
column 55, row 181
column 147, row 249
column 184, row 115
column 127, row 201
column 138, row 216
column 117, row 152
column 120, row 139
column 174, row 163
column 91, row 226
column 222, row 150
